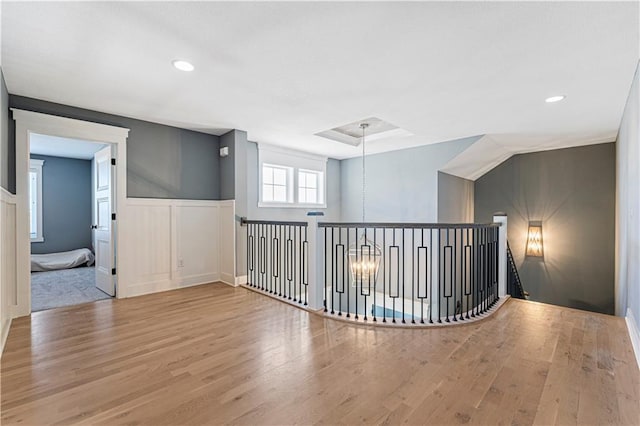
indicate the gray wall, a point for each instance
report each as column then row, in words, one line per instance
column 7, row 144
column 572, row 191
column 331, row 212
column 66, row 204
column 401, row 186
column 247, row 194
column 235, row 185
column 628, row 212
column 162, row 161
column 227, row 167
column 455, row 199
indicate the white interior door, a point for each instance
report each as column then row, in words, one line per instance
column 102, row 228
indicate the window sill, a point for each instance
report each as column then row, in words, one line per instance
column 37, row 240
column 291, row 206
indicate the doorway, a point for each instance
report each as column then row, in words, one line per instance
column 69, row 184
column 108, row 173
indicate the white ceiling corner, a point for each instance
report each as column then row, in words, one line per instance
column 489, row 151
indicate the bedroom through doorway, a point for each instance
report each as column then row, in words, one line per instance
column 70, row 212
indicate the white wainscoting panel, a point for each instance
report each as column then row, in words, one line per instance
column 8, row 281
column 228, row 242
column 172, row 244
column 149, row 247
column 198, row 244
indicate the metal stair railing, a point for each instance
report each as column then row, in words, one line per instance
column 514, row 284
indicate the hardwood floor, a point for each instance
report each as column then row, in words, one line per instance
column 216, row 354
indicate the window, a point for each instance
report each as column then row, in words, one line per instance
column 290, row 179
column 276, row 184
column 309, row 187
column 35, row 200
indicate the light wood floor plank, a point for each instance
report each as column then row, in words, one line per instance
column 214, row 354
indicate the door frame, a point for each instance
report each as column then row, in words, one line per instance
column 28, row 122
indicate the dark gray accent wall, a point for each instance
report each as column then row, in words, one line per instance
column 66, row 204
column 162, row 161
column 237, row 140
column 227, row 167
column 455, row 199
column 7, row 143
column 572, row 191
column 233, row 186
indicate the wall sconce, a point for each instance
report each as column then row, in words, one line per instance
column 534, row 240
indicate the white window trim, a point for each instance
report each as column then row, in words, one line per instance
column 289, row 186
column 36, row 166
column 320, row 184
column 296, row 160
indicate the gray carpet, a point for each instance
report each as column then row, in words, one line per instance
column 54, row 289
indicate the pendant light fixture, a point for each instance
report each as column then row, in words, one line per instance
column 363, row 255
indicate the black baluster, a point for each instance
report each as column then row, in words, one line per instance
column 359, row 249
column 326, row 298
column 345, row 284
column 384, row 275
column 403, row 275
column 430, row 276
column 375, row 276
column 413, row 277
column 306, row 265
column 440, row 287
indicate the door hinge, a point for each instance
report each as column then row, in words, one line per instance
column 113, row 161
column 113, row 271
column 113, row 216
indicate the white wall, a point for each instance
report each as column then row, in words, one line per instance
column 175, row 243
column 169, row 244
column 247, row 190
column 401, row 186
column 8, row 290
column 628, row 215
column 331, row 212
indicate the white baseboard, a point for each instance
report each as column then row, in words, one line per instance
column 634, row 333
column 140, row 289
column 241, row 280
column 198, row 279
column 228, row 278
column 5, row 334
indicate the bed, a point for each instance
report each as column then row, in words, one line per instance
column 62, row 260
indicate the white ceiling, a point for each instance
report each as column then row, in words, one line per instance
column 285, row 71
column 63, row 147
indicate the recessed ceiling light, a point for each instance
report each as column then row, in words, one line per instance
column 183, row 65
column 554, row 99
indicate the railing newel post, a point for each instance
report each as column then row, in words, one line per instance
column 315, row 261
column 501, row 218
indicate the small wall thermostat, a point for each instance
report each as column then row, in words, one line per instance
column 224, row 151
